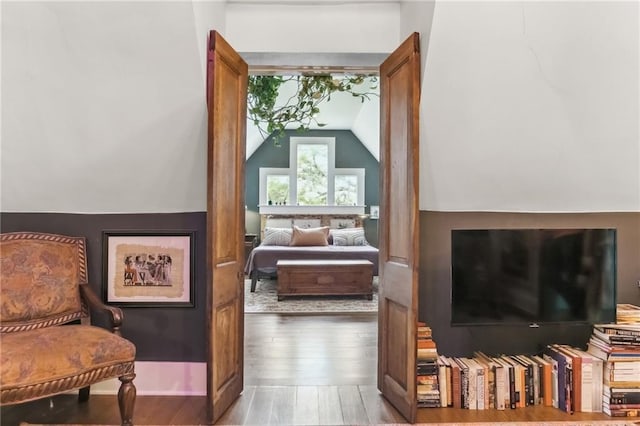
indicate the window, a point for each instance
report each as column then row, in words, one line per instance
column 346, row 190
column 274, row 186
column 312, row 179
column 312, row 166
column 278, row 188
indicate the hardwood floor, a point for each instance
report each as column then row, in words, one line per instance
column 308, row 350
column 299, row 369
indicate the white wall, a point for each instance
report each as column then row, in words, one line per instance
column 332, row 27
column 525, row 107
column 103, row 107
column 104, row 102
column 531, row 107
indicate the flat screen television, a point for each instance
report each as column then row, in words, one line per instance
column 533, row 276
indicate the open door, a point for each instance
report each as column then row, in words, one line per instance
column 399, row 226
column 227, row 76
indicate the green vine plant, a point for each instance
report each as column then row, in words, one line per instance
column 301, row 109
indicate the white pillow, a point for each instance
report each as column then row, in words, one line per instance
column 349, row 237
column 276, row 237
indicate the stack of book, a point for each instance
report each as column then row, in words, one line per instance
column 427, row 370
column 577, row 379
column 618, row 346
column 562, row 376
column 484, row 382
column 627, row 313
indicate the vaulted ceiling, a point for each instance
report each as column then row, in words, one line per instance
column 343, row 111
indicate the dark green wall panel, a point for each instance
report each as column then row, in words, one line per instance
column 350, row 153
column 160, row 334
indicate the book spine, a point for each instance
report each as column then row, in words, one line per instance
column 621, row 412
column 629, row 365
column 562, row 377
column 456, row 385
column 624, row 406
column 449, row 386
column 464, row 388
column 537, row 383
column 598, row 385
column 501, row 384
column 472, row 385
column 577, row 383
column 622, row 375
column 553, row 379
column 442, row 383
column 512, row 388
column 618, row 331
column 545, row 383
column 464, row 383
column 625, row 397
column 587, row 385
column 426, row 368
column 526, row 374
column 569, row 402
column 491, row 386
column 530, row 386
column 624, row 340
column 480, row 389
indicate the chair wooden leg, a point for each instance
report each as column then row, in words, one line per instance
column 127, row 399
column 83, row 394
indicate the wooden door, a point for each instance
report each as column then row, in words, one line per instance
column 399, row 226
column 227, row 76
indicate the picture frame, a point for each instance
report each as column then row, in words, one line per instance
column 374, row 212
column 149, row 268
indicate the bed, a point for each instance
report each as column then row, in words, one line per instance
column 345, row 245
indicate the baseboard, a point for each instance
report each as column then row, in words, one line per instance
column 162, row 378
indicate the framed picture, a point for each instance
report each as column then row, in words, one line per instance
column 374, row 212
column 149, row 268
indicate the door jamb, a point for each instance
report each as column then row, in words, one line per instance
column 274, row 64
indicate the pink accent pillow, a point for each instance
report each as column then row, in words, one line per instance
column 310, row 236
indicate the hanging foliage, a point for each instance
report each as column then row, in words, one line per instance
column 302, row 108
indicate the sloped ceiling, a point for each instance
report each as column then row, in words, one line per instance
column 343, row 111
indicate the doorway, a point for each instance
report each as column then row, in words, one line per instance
column 345, row 177
column 227, row 82
column 289, row 349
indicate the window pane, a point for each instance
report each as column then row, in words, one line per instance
column 346, row 190
column 277, row 189
column 313, row 169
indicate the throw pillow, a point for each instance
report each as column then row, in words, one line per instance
column 349, row 237
column 310, row 236
column 277, row 237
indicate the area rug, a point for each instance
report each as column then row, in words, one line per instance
column 265, row 300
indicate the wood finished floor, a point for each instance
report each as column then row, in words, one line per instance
column 299, row 370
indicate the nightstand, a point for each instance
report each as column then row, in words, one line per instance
column 250, row 241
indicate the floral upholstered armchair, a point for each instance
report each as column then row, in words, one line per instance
column 43, row 284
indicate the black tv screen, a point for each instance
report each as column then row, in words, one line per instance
column 533, row 276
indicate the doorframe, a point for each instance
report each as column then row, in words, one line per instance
column 325, row 69
column 273, row 63
column 281, row 63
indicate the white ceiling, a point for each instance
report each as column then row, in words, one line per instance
column 342, row 112
column 312, row 2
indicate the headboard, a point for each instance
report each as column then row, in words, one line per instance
column 336, row 221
